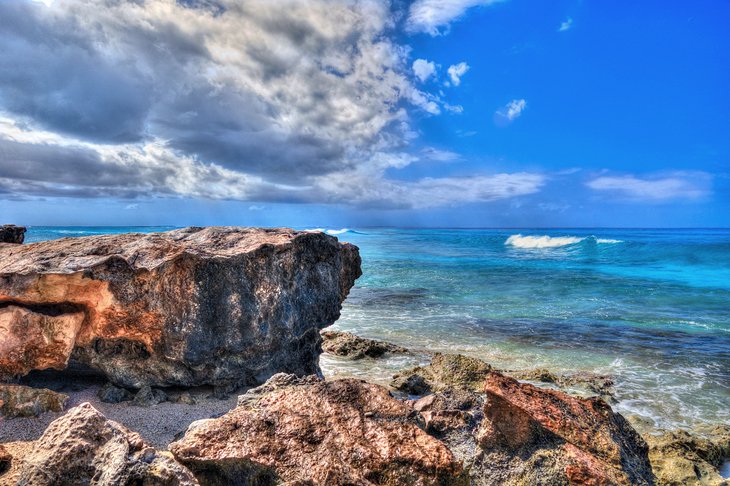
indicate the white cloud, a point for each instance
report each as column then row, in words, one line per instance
column 430, row 15
column 456, row 71
column 423, row 69
column 439, row 155
column 511, row 110
column 675, row 185
column 566, row 25
column 218, row 99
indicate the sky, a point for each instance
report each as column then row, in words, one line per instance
column 333, row 113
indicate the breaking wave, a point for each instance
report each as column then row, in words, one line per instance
column 544, row 241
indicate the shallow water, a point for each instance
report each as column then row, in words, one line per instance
column 650, row 307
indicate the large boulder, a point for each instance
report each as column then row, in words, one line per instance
column 221, row 305
column 83, row 447
column 306, row 431
column 9, row 233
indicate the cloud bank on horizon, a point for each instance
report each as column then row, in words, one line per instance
column 299, row 102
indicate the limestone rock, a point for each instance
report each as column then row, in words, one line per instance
column 601, row 385
column 680, row 458
column 530, row 434
column 9, row 233
column 24, row 401
column 354, row 347
column 224, row 306
column 445, row 370
column 83, row 447
column 343, row 432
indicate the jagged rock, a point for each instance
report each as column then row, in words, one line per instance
column 532, row 435
column 354, row 347
column 595, row 383
column 113, row 394
column 343, row 432
column 24, row 401
column 223, row 306
column 680, row 458
column 148, row 397
column 279, row 380
column 9, row 233
column 6, row 460
column 83, row 447
column 445, row 371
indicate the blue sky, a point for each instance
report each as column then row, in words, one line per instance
column 365, row 113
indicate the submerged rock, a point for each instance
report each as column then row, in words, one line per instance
column 680, row 458
column 24, row 401
column 83, row 447
column 222, row 305
column 445, row 371
column 343, row 432
column 354, row 347
column 9, row 233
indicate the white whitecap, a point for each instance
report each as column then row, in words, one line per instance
column 544, row 241
column 608, row 240
column 337, row 232
column 315, row 230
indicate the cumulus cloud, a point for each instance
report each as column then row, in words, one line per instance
column 456, row 71
column 435, row 16
column 511, row 110
column 565, row 25
column 260, row 101
column 675, row 185
column 423, row 69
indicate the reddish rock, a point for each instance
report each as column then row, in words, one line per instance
column 343, row 432
column 221, row 305
column 581, row 441
column 36, row 340
column 83, row 447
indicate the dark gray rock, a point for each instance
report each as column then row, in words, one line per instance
column 113, row 394
column 9, row 233
column 148, row 397
column 354, row 347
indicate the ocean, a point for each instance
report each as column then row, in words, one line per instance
column 649, row 307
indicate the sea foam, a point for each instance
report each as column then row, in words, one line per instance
column 544, row 241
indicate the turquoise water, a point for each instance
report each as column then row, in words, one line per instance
column 650, row 307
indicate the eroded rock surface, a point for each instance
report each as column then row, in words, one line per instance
column 532, row 435
column 24, row 401
column 680, row 458
column 222, row 305
column 354, row 347
column 445, row 371
column 343, row 432
column 9, row 233
column 83, row 447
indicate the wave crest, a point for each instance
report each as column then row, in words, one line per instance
column 545, row 241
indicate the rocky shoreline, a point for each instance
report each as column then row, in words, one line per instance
column 153, row 336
